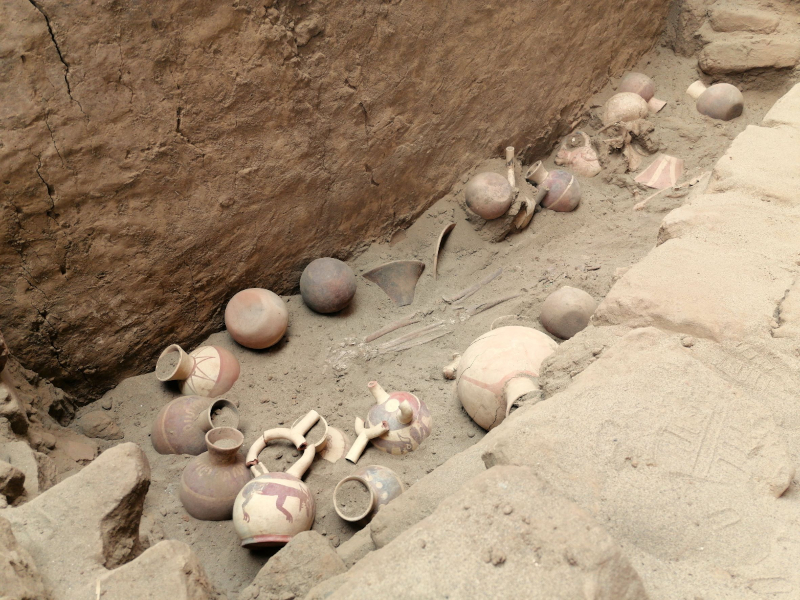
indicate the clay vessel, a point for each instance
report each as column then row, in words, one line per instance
column 567, row 311
column 639, row 83
column 498, row 368
column 721, row 101
column 327, row 285
column 625, row 106
column 578, row 154
column 397, row 424
column 489, row 195
column 256, row 318
column 211, row 481
column 379, row 485
column 180, row 426
column 206, row 371
column 564, row 191
column 398, row 279
column 272, row 508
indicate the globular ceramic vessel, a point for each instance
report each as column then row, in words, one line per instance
column 639, row 83
column 327, row 285
column 498, row 368
column 564, row 191
column 721, row 101
column 206, row 371
column 397, row 424
column 273, row 507
column 567, row 311
column 625, row 106
column 181, row 426
column 212, row 480
column 489, row 195
column 256, row 318
column 381, row 484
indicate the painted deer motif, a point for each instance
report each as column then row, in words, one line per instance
column 281, row 492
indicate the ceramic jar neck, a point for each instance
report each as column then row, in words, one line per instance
column 223, row 445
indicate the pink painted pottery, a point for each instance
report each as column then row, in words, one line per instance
column 327, row 285
column 272, row 508
column 206, row 371
column 372, row 487
column 564, row 191
column 180, row 426
column 489, row 195
column 497, row 369
column 211, row 481
column 256, row 318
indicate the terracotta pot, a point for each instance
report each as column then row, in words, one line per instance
column 639, row 83
column 721, row 101
column 274, row 507
column 625, row 106
column 567, row 311
column 207, row 371
column 397, row 424
column 211, row 481
column 378, row 485
column 256, row 318
column 564, row 191
column 497, row 369
column 181, row 426
column 327, row 285
column 489, row 195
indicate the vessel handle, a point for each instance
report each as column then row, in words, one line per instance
column 282, row 433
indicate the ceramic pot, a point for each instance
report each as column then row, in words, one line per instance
column 373, row 487
column 211, row 481
column 397, row 424
column 256, row 318
column 207, row 371
column 327, row 285
column 497, row 369
column 564, row 191
column 180, row 426
column 489, row 195
column 567, row 311
column 639, row 83
column 273, row 507
column 623, row 107
column 721, row 101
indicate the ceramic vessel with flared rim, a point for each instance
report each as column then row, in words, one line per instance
column 406, row 431
column 327, row 285
column 498, row 368
column 383, row 485
column 206, row 371
column 564, row 191
column 567, row 311
column 256, row 318
column 212, row 480
column 180, row 426
column 274, row 507
column 489, row 195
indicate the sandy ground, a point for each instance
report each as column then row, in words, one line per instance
column 323, row 364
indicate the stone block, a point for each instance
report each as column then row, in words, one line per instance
column 39, row 469
column 740, row 17
column 786, row 111
column 737, row 54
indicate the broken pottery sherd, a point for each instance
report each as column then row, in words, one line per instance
column 578, row 154
column 625, row 106
column 272, row 508
column 664, row 172
column 567, row 311
column 445, row 232
column 327, row 285
column 397, row 424
column 398, row 279
column 181, row 426
column 497, row 369
column 210, row 481
column 360, row 495
column 641, row 84
column 489, row 195
column 721, row 101
column 206, row 371
column 337, row 444
column 256, row 318
column 564, row 191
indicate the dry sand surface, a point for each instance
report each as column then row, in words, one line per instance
column 323, row 363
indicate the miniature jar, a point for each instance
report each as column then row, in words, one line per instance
column 564, row 191
column 489, row 195
column 181, row 426
column 207, row 371
column 327, row 285
column 212, row 480
column 360, row 495
column 256, row 318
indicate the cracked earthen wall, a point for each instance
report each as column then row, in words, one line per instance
column 156, row 157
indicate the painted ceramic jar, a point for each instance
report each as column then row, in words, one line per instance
column 489, row 195
column 380, row 485
column 273, row 507
column 256, row 318
column 180, row 426
column 498, row 368
column 564, row 191
column 206, row 371
column 212, row 480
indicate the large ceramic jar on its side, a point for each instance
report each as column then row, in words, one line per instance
column 180, row 426
column 206, row 371
column 375, row 486
column 211, row 481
